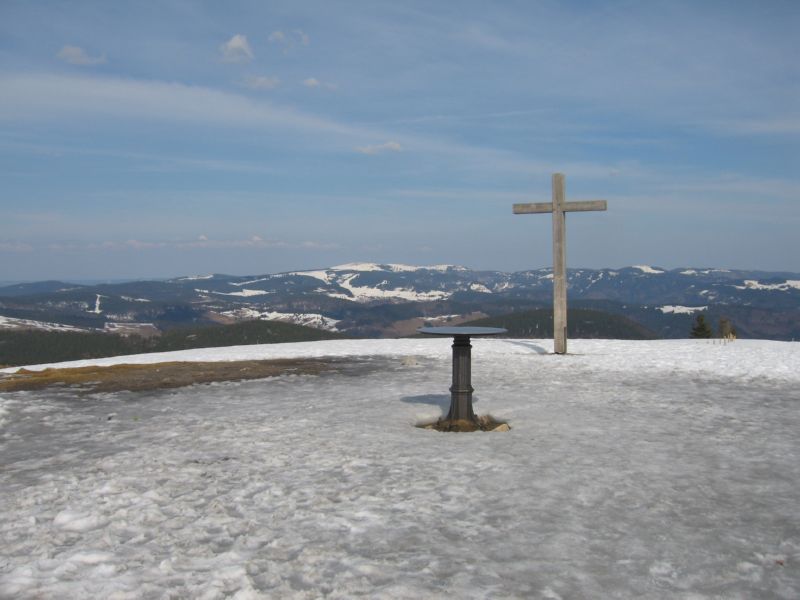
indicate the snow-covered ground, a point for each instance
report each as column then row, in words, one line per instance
column 666, row 469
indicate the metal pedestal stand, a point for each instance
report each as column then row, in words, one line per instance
column 461, row 390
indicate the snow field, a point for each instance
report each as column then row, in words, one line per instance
column 633, row 469
column 746, row 359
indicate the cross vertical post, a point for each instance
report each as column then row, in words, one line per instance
column 559, row 207
column 559, row 266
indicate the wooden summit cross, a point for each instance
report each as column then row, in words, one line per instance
column 558, row 207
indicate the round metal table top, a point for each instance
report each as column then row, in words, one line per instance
column 468, row 331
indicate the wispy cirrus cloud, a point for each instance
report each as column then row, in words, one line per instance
column 47, row 98
column 380, row 148
column 236, row 50
column 51, row 97
column 76, row 55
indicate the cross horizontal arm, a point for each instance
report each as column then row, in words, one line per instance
column 583, row 205
column 539, row 207
column 546, row 207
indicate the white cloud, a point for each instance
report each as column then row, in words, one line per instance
column 77, row 56
column 261, row 82
column 380, row 148
column 296, row 37
column 48, row 98
column 53, row 96
column 236, row 49
column 45, row 98
column 313, row 82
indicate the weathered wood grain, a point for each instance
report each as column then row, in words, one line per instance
column 558, row 207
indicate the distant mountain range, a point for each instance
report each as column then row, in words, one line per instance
column 369, row 299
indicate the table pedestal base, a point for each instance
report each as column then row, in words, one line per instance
column 461, row 390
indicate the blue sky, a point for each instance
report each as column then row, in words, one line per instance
column 156, row 139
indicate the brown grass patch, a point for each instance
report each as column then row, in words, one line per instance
column 158, row 376
column 483, row 423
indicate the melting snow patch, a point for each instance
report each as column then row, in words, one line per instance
column 366, row 293
column 243, row 292
column 394, row 267
column 195, row 278
column 358, row 267
column 307, row 319
column 751, row 284
column 251, row 281
column 479, row 287
column 703, row 271
column 710, row 294
column 649, row 270
column 97, row 309
column 12, row 323
column 681, row 310
column 321, row 275
column 397, row 268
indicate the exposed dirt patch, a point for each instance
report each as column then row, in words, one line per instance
column 159, row 376
column 483, row 423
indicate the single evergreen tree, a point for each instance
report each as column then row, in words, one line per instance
column 700, row 329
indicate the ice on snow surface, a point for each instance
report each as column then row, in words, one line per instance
column 633, row 469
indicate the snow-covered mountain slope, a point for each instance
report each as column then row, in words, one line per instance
column 375, row 283
column 372, row 284
column 12, row 323
column 632, row 470
column 762, row 304
column 307, row 319
column 363, row 282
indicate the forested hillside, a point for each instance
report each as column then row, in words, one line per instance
column 581, row 323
